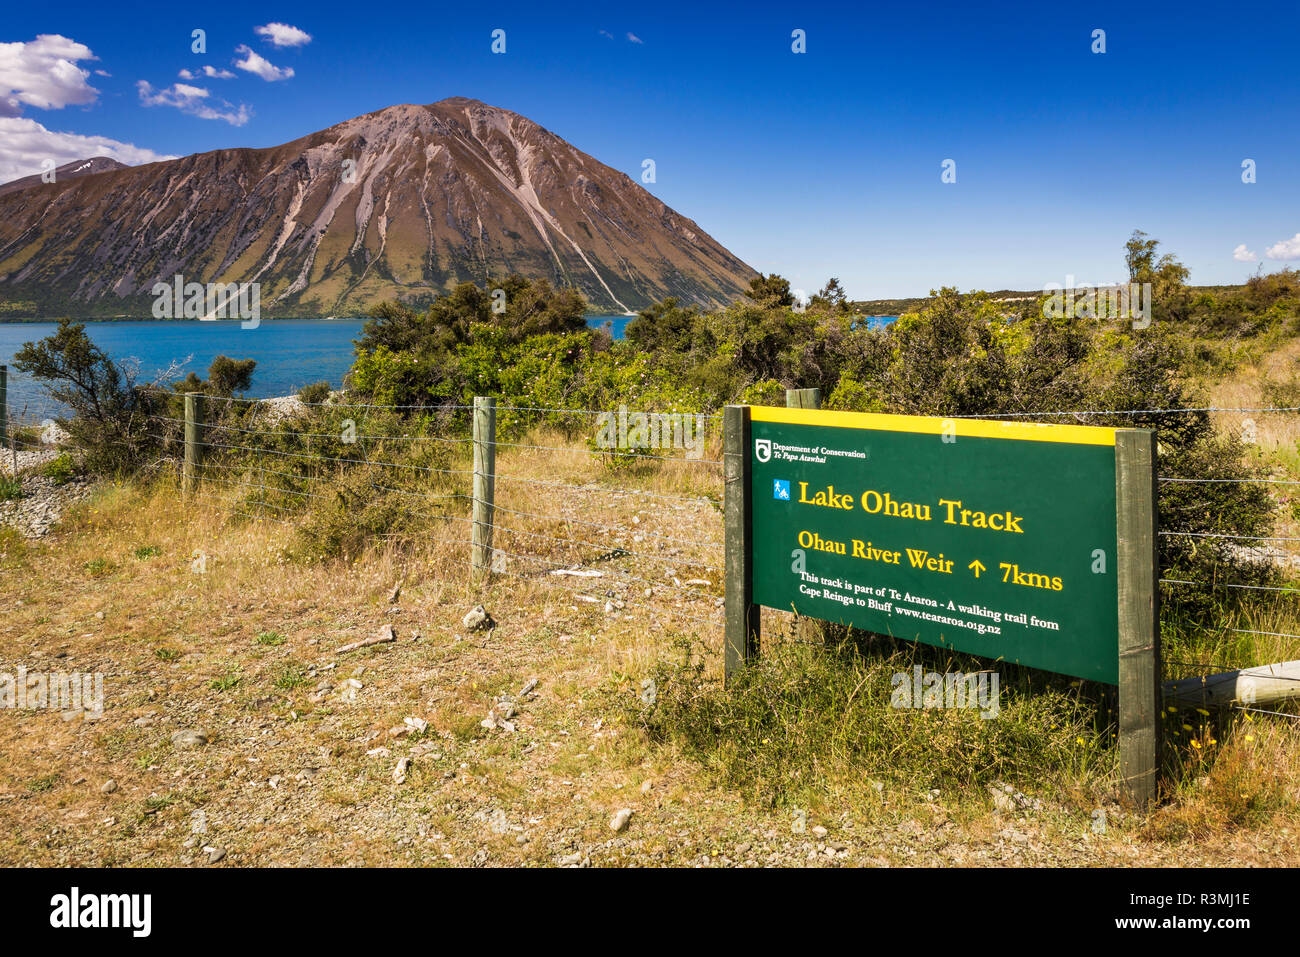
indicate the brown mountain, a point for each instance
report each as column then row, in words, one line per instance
column 401, row 203
column 86, row 167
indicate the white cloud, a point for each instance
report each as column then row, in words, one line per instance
column 1286, row 249
column 44, row 73
column 208, row 71
column 634, row 38
column 195, row 101
column 26, row 144
column 283, row 35
column 253, row 62
column 606, row 33
column 1243, row 255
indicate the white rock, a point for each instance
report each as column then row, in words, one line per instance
column 477, row 618
column 399, row 772
column 618, row 822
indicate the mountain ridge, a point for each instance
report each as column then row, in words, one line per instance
column 403, row 202
column 90, row 166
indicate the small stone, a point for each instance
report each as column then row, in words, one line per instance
column 619, row 821
column 399, row 772
column 189, row 739
column 109, row 786
column 477, row 619
column 646, row 786
column 215, row 854
column 395, row 594
column 1001, row 800
column 819, row 831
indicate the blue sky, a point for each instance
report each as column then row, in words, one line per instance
column 811, row 165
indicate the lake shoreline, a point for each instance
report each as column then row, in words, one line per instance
column 29, row 321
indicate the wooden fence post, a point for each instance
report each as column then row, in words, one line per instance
column 485, row 467
column 1139, row 615
column 803, row 398
column 193, row 441
column 743, row 619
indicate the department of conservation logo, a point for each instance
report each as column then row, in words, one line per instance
column 763, row 450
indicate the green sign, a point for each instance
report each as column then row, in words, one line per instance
column 992, row 538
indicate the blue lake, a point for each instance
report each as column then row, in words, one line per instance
column 290, row 353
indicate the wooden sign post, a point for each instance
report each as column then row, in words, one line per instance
column 1140, row 702
column 742, row 628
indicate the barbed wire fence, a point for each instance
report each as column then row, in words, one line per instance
column 552, row 521
column 572, row 535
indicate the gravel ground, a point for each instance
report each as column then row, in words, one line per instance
column 28, row 459
column 43, row 500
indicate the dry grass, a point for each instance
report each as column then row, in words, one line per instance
column 168, row 599
column 1261, row 384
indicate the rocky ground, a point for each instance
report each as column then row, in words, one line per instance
column 43, row 500
column 260, row 713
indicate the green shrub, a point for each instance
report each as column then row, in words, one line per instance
column 11, row 488
column 315, row 394
column 60, row 469
column 99, row 567
column 226, row 377
column 225, row 682
column 291, row 675
column 109, row 422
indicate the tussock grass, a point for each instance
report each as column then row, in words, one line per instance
column 1248, row 781
column 815, row 716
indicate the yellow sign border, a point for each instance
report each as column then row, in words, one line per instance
column 935, row 425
